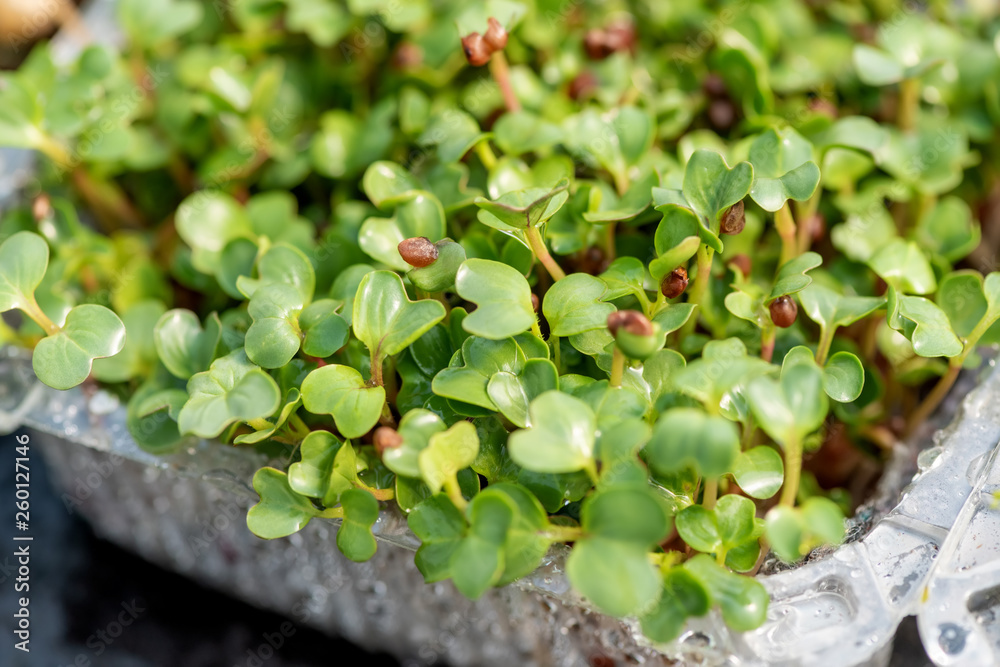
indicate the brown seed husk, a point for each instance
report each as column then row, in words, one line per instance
column 784, row 310
column 631, row 321
column 418, row 252
column 733, row 220
column 674, row 283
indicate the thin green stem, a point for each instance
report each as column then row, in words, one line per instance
column 34, row 311
column 332, row 513
column 486, row 155
column 711, row 492
column 698, row 294
column 767, row 338
column 591, row 469
column 260, row 424
column 617, row 367
column 609, row 241
column 823, row 347
column 785, row 224
column 793, row 471
column 909, row 103
column 454, row 492
column 300, row 427
column 542, row 253
column 537, row 329
column 563, row 533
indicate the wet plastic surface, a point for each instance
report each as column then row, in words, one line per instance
column 185, row 512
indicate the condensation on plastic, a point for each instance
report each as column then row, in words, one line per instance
column 186, row 512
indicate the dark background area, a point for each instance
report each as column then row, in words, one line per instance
column 79, row 584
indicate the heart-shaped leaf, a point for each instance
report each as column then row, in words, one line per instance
column 728, row 525
column 782, row 168
column 791, row 277
column 792, row 407
column 275, row 336
column 574, row 305
column 682, row 596
column 64, row 359
column 415, row 431
column 743, row 600
column 341, row 392
column 482, row 359
column 512, row 394
column 924, row 324
column 723, row 365
column 282, row 264
column 831, row 310
column 562, row 438
column 354, row 537
column 388, row 184
column 207, row 221
column 23, row 259
column 502, row 295
column 138, row 356
column 711, row 186
column 324, row 329
column 478, row 561
column 419, row 215
column 327, row 469
column 447, row 453
column 281, row 511
column 626, row 514
column 903, row 265
column 518, row 210
column 440, row 527
column 948, row 229
column 232, row 390
column 794, row 532
column 617, row 577
column 385, row 319
column 759, row 471
column 181, row 343
column 686, row 437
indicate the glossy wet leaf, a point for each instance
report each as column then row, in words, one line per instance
column 341, row 392
column 794, row 532
column 502, row 295
column 283, row 264
column 325, row 330
column 512, row 394
column 385, row 319
column 728, row 525
column 354, row 537
column 831, row 310
column 562, row 438
column 723, row 365
column 711, row 186
column 483, row 358
column 415, row 428
column 280, row 511
column 627, row 514
column 574, row 305
column 64, row 359
column 843, row 377
column 419, row 215
column 759, row 471
column 150, row 417
column 684, row 437
column 275, row 336
column 791, row 277
column 478, row 561
column 207, row 221
column 138, row 357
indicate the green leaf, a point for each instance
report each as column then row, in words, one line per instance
column 181, row 343
column 232, row 390
column 23, row 260
column 415, row 429
column 526, row 543
column 453, row 132
column 138, row 356
column 521, row 209
column 341, row 392
column 711, row 186
column 782, row 168
column 948, row 229
column 483, row 358
column 502, row 295
column 354, row 537
column 478, row 561
column 924, row 324
column 794, row 532
column 574, row 305
column 684, row 437
column 759, row 471
column 150, row 23
column 282, row 264
column 831, row 310
column 743, row 600
column 617, row 577
column 327, row 469
column 561, row 438
column 385, row 319
column 419, row 215
column 440, row 527
column 682, row 596
column 792, row 407
column 791, row 277
column 512, row 394
column 724, row 364
column 876, row 67
column 962, row 297
column 64, row 359
column 903, row 265
column 447, row 453
column 274, row 337
column 626, row 514
column 280, row 511
column 843, row 377
column 388, row 184
column 325, row 330
column 207, row 221
column 524, row 132
column 728, row 525
column 150, row 417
